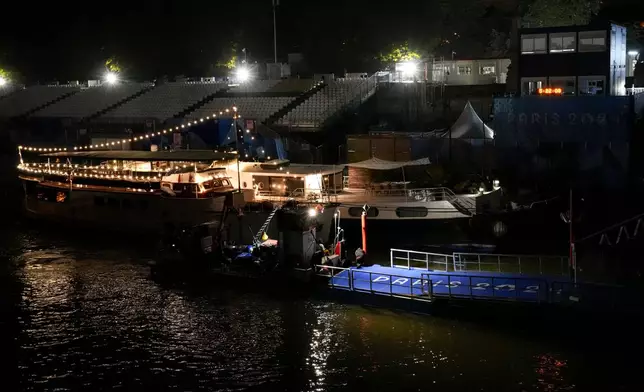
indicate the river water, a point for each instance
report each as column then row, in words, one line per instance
column 80, row 311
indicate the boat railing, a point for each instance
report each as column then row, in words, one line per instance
column 411, row 259
column 302, row 194
column 390, row 285
column 509, row 263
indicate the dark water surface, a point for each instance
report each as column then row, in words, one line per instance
column 81, row 312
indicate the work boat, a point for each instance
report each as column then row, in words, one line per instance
column 126, row 190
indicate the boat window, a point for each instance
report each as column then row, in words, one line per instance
column 411, row 212
column 127, row 203
column 143, row 204
column 357, row 211
column 207, row 184
column 225, row 182
column 99, row 200
column 112, row 202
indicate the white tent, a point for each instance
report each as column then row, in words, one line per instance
column 381, row 164
column 470, row 126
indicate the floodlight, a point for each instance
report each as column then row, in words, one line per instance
column 408, row 67
column 3, row 81
column 111, row 77
column 633, row 53
column 313, row 212
column 243, row 74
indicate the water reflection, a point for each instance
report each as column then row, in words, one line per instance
column 91, row 316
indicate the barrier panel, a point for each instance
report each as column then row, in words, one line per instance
column 488, row 287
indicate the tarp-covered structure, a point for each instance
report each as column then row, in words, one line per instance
column 469, row 126
column 381, row 164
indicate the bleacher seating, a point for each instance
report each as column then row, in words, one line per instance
column 326, row 102
column 26, row 100
column 296, row 86
column 91, row 100
column 256, row 108
column 7, row 89
column 254, row 86
column 164, row 101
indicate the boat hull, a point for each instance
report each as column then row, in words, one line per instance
column 130, row 212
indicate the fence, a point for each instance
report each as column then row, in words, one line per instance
column 506, row 263
column 410, row 259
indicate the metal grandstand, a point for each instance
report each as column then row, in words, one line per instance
column 292, row 103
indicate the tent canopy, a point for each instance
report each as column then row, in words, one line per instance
column 470, row 126
column 381, row 164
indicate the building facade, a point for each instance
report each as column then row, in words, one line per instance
column 469, row 72
column 582, row 60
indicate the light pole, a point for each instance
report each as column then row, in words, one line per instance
column 275, row 4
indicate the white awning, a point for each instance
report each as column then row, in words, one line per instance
column 381, row 164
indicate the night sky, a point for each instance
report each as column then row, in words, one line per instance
column 70, row 40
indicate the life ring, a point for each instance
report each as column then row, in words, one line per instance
column 260, row 185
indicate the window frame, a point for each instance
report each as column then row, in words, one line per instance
column 588, row 35
column 468, row 69
column 561, row 36
column 534, row 37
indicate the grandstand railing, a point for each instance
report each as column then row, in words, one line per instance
column 350, row 101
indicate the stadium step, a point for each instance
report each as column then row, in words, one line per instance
column 208, row 98
column 293, row 104
column 37, row 108
column 119, row 103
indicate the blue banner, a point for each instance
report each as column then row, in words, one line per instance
column 529, row 121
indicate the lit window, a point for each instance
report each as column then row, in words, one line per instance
column 533, row 43
column 592, row 41
column 591, row 85
column 562, row 42
column 487, row 70
column 464, row 70
column 531, row 86
column 566, row 83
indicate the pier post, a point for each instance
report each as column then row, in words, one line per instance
column 364, row 227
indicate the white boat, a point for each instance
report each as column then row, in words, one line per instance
column 387, row 201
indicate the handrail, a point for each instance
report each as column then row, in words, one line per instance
column 428, row 258
column 557, row 263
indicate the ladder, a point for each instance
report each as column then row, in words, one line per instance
column 264, row 227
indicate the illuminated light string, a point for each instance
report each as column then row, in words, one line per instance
column 170, row 130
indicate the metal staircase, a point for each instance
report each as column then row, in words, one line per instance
column 262, row 230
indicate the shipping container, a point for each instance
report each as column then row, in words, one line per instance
column 383, row 148
column 358, row 149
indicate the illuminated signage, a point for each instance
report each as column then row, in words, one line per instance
column 550, row 91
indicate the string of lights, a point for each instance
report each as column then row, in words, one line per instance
column 222, row 114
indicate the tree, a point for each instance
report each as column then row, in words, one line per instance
column 398, row 53
column 228, row 58
column 547, row 13
column 113, row 65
